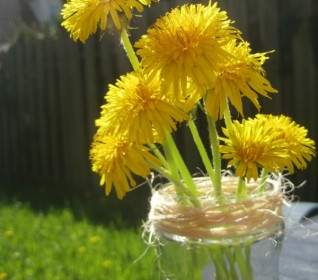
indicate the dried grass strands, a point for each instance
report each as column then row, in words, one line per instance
column 258, row 213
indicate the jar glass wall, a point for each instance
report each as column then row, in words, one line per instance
column 251, row 259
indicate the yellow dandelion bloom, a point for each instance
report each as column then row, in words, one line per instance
column 187, row 43
column 301, row 149
column 116, row 159
column 249, row 146
column 82, row 17
column 82, row 249
column 138, row 109
column 275, row 143
column 95, row 239
column 241, row 75
column 107, row 263
column 9, row 233
column 190, row 99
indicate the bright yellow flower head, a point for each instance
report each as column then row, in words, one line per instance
column 82, row 17
column 301, row 149
column 3, row 276
column 116, row 160
column 241, row 75
column 273, row 143
column 138, row 109
column 249, row 146
column 187, row 43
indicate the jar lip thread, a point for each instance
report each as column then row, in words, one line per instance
column 258, row 214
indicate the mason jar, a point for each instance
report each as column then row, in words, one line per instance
column 229, row 240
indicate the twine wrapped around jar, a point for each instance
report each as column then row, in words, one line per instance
column 255, row 215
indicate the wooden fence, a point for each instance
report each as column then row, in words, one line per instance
column 51, row 89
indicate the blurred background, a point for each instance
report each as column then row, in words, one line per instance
column 51, row 90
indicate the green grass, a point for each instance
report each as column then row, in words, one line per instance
column 54, row 246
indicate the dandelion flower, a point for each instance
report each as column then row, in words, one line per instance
column 190, row 98
column 9, row 233
column 82, row 17
column 241, row 75
column 301, row 149
column 138, row 109
column 94, row 239
column 107, row 263
column 82, row 249
column 187, row 43
column 3, row 275
column 249, row 146
column 116, row 159
column 275, row 143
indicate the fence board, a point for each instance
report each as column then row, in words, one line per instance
column 54, row 121
column 41, row 110
column 17, row 123
column 90, row 88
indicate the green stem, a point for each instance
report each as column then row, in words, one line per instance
column 248, row 261
column 215, row 145
column 171, row 173
column 181, row 190
column 204, row 156
column 241, row 188
column 159, row 155
column 219, row 263
column 227, row 115
column 169, row 157
column 174, row 176
column 264, row 176
column 129, row 49
column 171, row 145
column 231, row 261
column 243, row 264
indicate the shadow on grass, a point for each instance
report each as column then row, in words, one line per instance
column 92, row 205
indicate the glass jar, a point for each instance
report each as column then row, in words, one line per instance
column 207, row 259
column 232, row 240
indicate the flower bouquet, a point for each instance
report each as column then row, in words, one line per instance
column 222, row 224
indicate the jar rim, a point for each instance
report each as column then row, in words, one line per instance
column 256, row 215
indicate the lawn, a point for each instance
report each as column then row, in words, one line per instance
column 56, row 246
